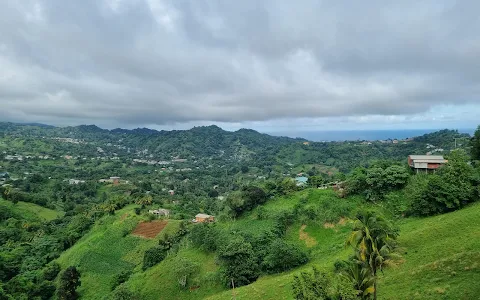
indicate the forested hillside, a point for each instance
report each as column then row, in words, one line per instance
column 113, row 209
column 211, row 142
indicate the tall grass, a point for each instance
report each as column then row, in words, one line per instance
column 31, row 211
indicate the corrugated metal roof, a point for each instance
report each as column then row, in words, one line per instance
column 430, row 161
column 422, row 161
column 203, row 216
column 426, row 157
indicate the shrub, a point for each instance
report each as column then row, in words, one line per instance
column 283, row 220
column 245, row 200
column 51, row 271
column 253, row 196
column 397, row 203
column 43, row 290
column 123, row 293
column 167, row 242
column 153, row 256
column 283, row 256
column 120, row 278
column 239, row 263
column 261, row 213
column 320, row 285
column 183, row 270
column 310, row 286
column 340, row 265
column 69, row 281
column 126, row 231
column 261, row 244
column 376, row 181
column 441, row 196
column 205, row 236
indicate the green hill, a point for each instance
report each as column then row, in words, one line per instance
column 107, row 250
column 244, row 146
column 31, row 211
column 441, row 254
column 441, row 260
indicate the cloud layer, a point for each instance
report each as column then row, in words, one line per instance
column 133, row 62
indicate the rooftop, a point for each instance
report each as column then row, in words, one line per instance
column 426, row 157
column 204, row 216
column 301, row 179
column 433, row 159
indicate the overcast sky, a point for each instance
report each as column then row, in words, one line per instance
column 269, row 65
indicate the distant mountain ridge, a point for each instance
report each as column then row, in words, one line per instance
column 91, row 128
column 209, row 141
column 242, row 146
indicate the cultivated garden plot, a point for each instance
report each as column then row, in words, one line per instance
column 149, row 230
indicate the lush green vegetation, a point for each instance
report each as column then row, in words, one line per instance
column 108, row 250
column 476, row 145
column 67, row 284
column 66, row 227
column 440, row 257
column 30, row 211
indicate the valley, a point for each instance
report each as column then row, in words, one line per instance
column 119, row 207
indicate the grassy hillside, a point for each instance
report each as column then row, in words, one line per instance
column 441, row 254
column 159, row 282
column 107, row 250
column 31, row 211
column 442, row 258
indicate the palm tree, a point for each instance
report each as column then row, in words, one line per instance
column 109, row 208
column 146, row 200
column 359, row 274
column 6, row 192
column 373, row 238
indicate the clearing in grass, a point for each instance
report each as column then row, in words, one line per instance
column 303, row 236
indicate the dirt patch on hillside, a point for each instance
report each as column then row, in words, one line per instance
column 328, row 225
column 193, row 288
column 309, row 241
column 342, row 222
column 149, row 230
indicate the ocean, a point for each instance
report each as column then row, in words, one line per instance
column 355, row 135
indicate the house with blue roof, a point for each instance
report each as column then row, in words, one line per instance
column 301, row 180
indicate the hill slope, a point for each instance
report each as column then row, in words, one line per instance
column 211, row 142
column 107, row 250
column 441, row 253
column 31, row 211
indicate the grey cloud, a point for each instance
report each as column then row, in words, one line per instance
column 157, row 62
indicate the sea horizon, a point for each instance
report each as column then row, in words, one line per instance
column 361, row 135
